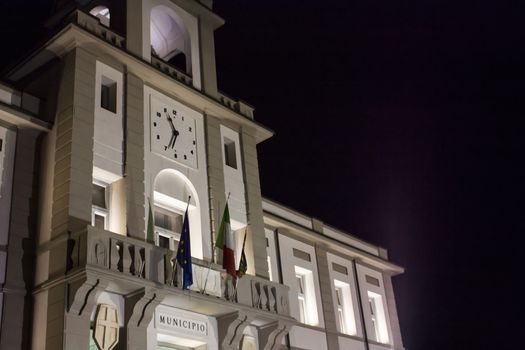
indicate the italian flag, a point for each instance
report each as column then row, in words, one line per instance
column 225, row 241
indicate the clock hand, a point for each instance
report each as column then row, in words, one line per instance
column 175, row 135
column 171, row 123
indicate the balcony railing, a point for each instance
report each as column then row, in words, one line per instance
column 170, row 70
column 138, row 259
column 93, row 25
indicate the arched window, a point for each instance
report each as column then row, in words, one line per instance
column 170, row 40
column 102, row 13
column 170, row 198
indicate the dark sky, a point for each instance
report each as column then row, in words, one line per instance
column 399, row 122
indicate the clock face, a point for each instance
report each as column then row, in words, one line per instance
column 173, row 133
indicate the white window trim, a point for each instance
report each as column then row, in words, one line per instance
column 368, row 290
column 172, row 236
column 95, row 210
column 172, row 205
column 340, row 306
column 308, row 296
column 290, row 265
column 301, row 297
column 271, row 251
column 378, row 317
column 347, row 283
column 105, row 212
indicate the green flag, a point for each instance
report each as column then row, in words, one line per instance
column 225, row 225
column 243, row 263
column 150, row 229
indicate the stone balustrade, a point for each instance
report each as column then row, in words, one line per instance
column 142, row 260
column 93, row 25
column 171, row 71
column 262, row 294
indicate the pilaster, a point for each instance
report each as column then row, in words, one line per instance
column 135, row 148
column 217, row 196
column 72, row 183
column 17, row 303
column 325, row 286
column 256, row 239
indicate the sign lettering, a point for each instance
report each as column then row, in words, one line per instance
column 174, row 323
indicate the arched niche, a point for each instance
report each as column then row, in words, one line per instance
column 169, row 37
column 171, row 191
column 102, row 13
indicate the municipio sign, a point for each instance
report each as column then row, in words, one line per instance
column 171, row 323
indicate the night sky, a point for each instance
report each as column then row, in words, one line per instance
column 396, row 121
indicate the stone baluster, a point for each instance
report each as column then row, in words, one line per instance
column 264, row 297
column 140, row 262
column 114, row 254
column 127, row 260
column 271, row 296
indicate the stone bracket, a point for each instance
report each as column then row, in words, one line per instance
column 231, row 328
column 270, row 337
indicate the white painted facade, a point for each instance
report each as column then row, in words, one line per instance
column 125, row 136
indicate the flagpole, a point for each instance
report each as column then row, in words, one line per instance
column 242, row 251
column 213, row 254
column 175, row 273
column 188, row 203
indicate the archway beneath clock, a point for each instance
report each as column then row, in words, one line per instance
column 171, row 191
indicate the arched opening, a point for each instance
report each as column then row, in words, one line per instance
column 102, row 13
column 170, row 198
column 169, row 37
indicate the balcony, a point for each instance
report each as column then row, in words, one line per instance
column 140, row 263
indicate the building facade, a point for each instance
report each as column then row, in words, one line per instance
column 116, row 122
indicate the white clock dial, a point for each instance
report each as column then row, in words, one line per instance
column 173, row 133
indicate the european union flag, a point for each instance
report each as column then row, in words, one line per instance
column 184, row 254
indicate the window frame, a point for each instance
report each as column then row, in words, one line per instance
column 376, row 313
column 343, row 279
column 174, row 237
column 97, row 210
column 301, row 297
column 340, row 309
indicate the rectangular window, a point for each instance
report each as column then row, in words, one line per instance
column 99, row 196
column 99, row 221
column 168, row 227
column 230, row 158
column 373, row 316
column 303, row 285
column 108, row 95
column 344, row 308
column 377, row 317
column 340, row 309
column 301, row 296
column 1, row 143
column 100, row 205
column 164, row 242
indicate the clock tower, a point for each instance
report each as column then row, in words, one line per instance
column 110, row 133
column 138, row 127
